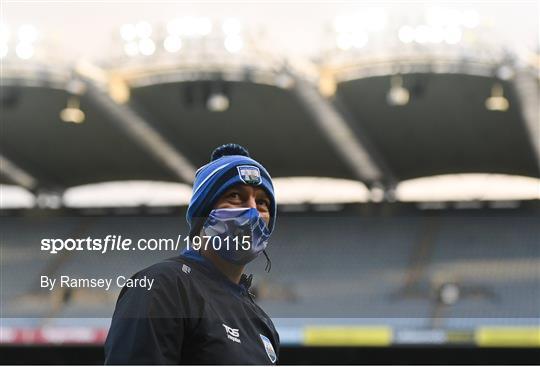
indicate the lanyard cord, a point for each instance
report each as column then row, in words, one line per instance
column 268, row 262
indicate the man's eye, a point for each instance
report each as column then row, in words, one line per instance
column 263, row 202
column 234, row 195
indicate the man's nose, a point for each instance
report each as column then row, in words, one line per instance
column 251, row 202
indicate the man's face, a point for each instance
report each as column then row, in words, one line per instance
column 246, row 196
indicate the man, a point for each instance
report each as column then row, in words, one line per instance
column 199, row 310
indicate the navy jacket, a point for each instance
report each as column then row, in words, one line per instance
column 192, row 315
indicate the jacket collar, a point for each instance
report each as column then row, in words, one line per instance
column 214, row 272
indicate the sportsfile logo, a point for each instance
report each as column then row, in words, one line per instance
column 233, row 334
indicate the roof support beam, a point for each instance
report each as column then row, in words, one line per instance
column 358, row 154
column 16, row 174
column 144, row 134
column 527, row 87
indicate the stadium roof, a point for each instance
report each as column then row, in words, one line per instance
column 166, row 130
column 269, row 120
column 444, row 128
column 380, row 112
column 58, row 154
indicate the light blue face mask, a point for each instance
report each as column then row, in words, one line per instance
column 238, row 235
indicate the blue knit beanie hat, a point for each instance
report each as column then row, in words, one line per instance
column 230, row 164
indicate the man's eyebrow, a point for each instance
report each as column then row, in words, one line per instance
column 234, row 188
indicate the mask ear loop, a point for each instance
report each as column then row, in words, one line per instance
column 268, row 262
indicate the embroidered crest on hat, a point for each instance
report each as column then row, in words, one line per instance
column 250, row 174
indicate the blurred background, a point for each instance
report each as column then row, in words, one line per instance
column 403, row 138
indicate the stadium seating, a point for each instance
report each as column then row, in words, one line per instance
column 380, row 269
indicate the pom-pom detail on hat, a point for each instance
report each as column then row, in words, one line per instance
column 229, row 149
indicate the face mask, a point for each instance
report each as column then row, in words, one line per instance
column 238, row 235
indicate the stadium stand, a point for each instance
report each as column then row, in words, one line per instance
column 371, row 266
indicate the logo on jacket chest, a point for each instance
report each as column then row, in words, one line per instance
column 270, row 352
column 232, row 334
